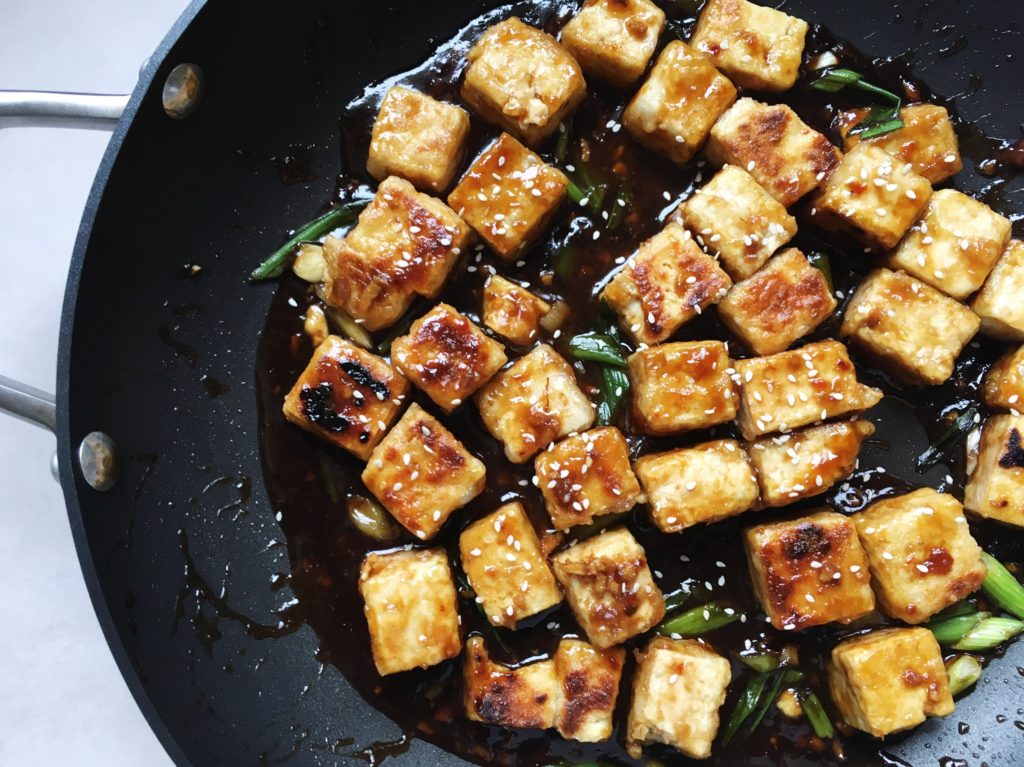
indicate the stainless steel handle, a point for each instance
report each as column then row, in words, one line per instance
column 60, row 110
column 28, row 403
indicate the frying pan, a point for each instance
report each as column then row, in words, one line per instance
column 184, row 560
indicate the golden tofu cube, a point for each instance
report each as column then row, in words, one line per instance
column 417, row 138
column 522, row 80
column 1004, row 382
column 682, row 386
column 796, row 388
column 907, row 327
column 528, row 406
column 889, row 680
column 509, row 196
column 809, row 571
column 926, row 141
column 954, row 245
column 806, row 463
column 773, row 145
column 998, row 304
column 674, row 109
column 704, row 483
column 678, row 688
column 784, row 301
column 614, row 39
column 588, row 679
column 757, row 47
column 524, row 696
column 346, row 396
column 512, row 311
column 421, row 473
column 447, row 356
column 587, row 476
column 996, row 488
column 737, row 220
column 405, row 244
column 664, row 285
column 609, row 587
column 921, row 553
column 411, row 609
column 502, row 558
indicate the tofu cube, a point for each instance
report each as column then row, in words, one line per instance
column 609, row 587
column 809, row 571
column 678, row 688
column 528, row 406
column 682, row 386
column 447, row 356
column 614, row 39
column 738, row 221
column 587, row 476
column 512, row 311
column 524, row 696
column 674, row 109
column 890, row 680
column 954, row 245
column 806, row 463
column 502, row 558
column 996, row 488
column 921, row 553
column 704, row 483
column 907, row 327
column 405, row 244
column 776, row 147
column 664, row 285
column 588, row 681
column 796, row 388
column 522, row 80
column 346, row 396
column 926, row 141
column 421, row 473
column 411, row 609
column 418, row 138
column 784, row 301
column 509, row 196
column 1004, row 382
column 757, row 47
column 998, row 304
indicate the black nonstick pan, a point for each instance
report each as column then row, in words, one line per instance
column 187, row 564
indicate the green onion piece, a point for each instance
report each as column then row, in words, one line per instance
column 989, row 633
column 675, row 600
column 614, row 390
column 817, row 716
column 471, row 595
column 699, row 620
column 943, row 447
column 565, row 261
column 600, row 523
column 951, row 630
column 597, row 196
column 575, row 193
column 880, row 129
column 821, row 262
column 835, row 80
column 963, row 672
column 384, row 347
column 371, row 519
column 762, row 662
column 597, row 347
column 1002, row 588
column 780, row 678
column 745, row 705
column 618, row 209
column 562, row 143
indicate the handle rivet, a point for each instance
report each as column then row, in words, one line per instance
column 97, row 458
column 183, row 90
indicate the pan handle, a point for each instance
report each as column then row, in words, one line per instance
column 28, row 403
column 60, row 110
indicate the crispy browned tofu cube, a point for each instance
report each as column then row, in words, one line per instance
column 411, row 609
column 508, row 196
column 614, row 39
column 776, row 147
column 346, row 396
column 674, row 109
column 512, row 311
column 998, row 303
column 587, row 476
column 678, row 687
column 524, row 696
column 757, row 47
column 736, row 219
column 447, row 356
column 609, row 587
column 1004, row 382
column 889, row 680
column 682, row 386
column 809, row 571
column 907, row 327
column 405, row 244
column 921, row 553
column 926, row 140
column 421, row 473
column 417, row 138
column 784, row 301
column 528, row 406
column 996, row 488
column 588, row 679
column 704, row 483
column 806, row 463
column 796, row 388
column 954, row 245
column 664, row 285
column 521, row 79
